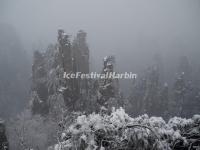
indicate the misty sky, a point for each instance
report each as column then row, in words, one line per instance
column 132, row 30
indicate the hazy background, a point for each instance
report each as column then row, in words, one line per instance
column 132, row 30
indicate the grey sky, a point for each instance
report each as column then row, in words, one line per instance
column 132, row 30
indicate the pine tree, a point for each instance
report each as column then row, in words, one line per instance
column 164, row 102
column 184, row 67
column 179, row 94
column 135, row 102
column 151, row 97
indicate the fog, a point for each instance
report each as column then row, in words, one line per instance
column 41, row 97
column 132, row 30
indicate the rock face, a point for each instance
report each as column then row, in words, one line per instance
column 108, row 90
column 48, row 70
column 52, row 92
column 81, row 58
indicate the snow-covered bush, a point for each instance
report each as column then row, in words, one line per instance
column 119, row 131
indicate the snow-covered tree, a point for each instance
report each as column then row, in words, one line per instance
column 119, row 131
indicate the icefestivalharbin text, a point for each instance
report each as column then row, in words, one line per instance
column 95, row 75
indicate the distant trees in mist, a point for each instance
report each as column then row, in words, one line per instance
column 152, row 95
